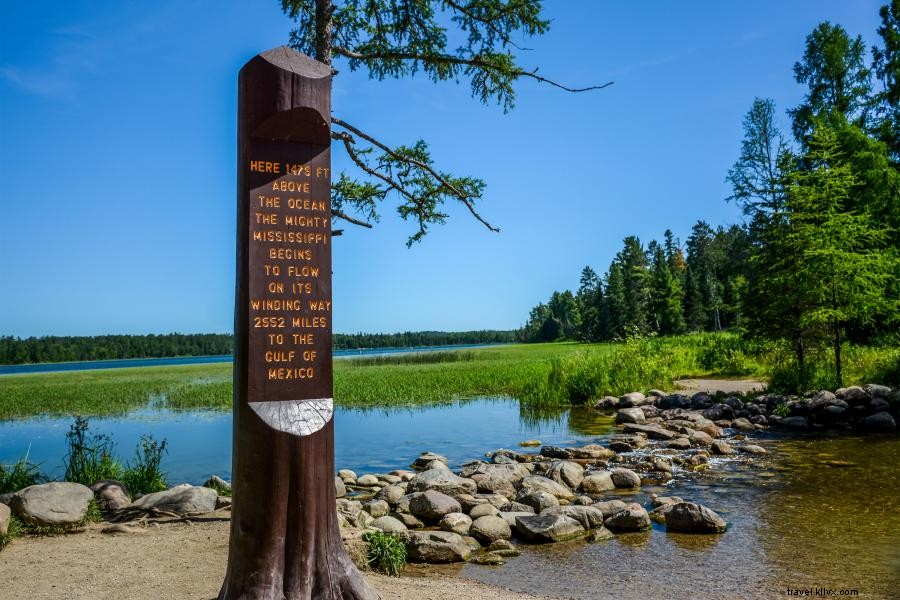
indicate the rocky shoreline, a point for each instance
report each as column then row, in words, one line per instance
column 537, row 494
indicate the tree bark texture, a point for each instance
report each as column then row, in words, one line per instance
column 285, row 539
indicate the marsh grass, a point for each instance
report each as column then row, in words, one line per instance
column 411, row 358
column 386, row 552
column 20, row 475
column 90, row 456
column 144, row 475
column 14, row 531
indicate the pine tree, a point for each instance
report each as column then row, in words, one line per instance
column 665, row 295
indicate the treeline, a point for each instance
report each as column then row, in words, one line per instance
column 817, row 260
column 412, row 339
column 15, row 351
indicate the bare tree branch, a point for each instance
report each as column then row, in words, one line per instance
column 464, row 10
column 342, row 215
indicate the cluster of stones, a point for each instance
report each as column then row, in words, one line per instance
column 65, row 505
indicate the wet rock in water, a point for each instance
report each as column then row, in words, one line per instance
column 699, row 438
column 391, row 494
column 181, row 499
column 658, row 463
column 566, row 473
column 673, row 401
column 721, row 447
column 632, row 399
column 488, row 529
column 517, row 507
column 389, row 524
column 530, row 443
column 495, row 478
column 681, row 443
column 742, row 424
column 390, row 479
column 484, row 510
column 630, row 415
column 752, row 449
column 658, row 501
column 582, row 501
column 377, row 508
column 367, row 481
column 654, row 432
column 553, row 526
column 631, row 518
column 834, row 413
column 881, row 422
column 627, row 442
column 658, row 514
column 538, row 482
column 436, row 547
column 511, row 515
column 443, row 481
column 701, row 400
column 112, row 495
column 5, row 517
column 879, row 405
column 597, row 483
column 591, row 451
column 347, row 475
column 490, row 559
column 625, row 478
column 426, row 457
column 411, row 521
column 608, row 507
column 538, row 500
column 340, row 490
column 759, row 420
column 432, row 505
column 513, row 454
column 694, row 518
column 877, row 391
column 794, row 422
column 55, row 503
column 503, row 548
column 589, row 516
column 502, row 459
column 601, row 534
column 456, row 522
column 556, row 452
column 719, row 412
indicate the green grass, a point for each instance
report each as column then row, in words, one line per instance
column 540, row 374
column 386, row 552
column 19, row 475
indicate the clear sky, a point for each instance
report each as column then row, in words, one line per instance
column 117, row 157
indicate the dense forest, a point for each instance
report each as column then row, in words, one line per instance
column 14, row 351
column 816, row 261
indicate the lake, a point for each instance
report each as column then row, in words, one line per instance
column 818, row 511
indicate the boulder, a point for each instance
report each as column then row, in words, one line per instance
column 495, row 478
column 537, row 482
column 630, row 415
column 879, row 422
column 694, row 518
column 632, row 399
column 556, row 452
column 5, row 516
column 55, row 503
column 432, row 505
column 181, row 499
column 631, row 518
column 681, row 443
column 877, row 391
column 794, row 422
column 437, row 465
column 597, row 483
column 489, row 529
column 721, row 447
column 588, row 516
column 654, row 432
column 377, row 508
column 583, row 501
column 426, row 457
column 673, row 401
column 389, row 524
column 626, row 442
column 442, row 480
column 853, row 395
column 701, row 400
column 340, row 489
column 552, row 526
column 347, row 475
column 752, row 449
column 530, row 443
column 700, row 438
column 367, row 480
column 609, row 507
column 456, row 522
column 391, row 494
column 591, row 451
column 658, row 501
column 566, row 473
column 510, row 516
column 410, row 521
column 436, row 547
column 484, row 510
column 517, row 507
column 719, row 412
column 538, row 500
column 600, row 534
column 111, row 494
column 625, row 478
column 495, row 500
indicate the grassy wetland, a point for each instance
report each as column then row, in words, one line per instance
column 540, row 374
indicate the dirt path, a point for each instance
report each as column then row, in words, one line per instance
column 172, row 561
column 729, row 386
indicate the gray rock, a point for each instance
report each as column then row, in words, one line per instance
column 426, row 457
column 853, row 395
column 367, row 480
column 5, row 516
column 630, row 415
column 658, row 501
column 721, row 447
column 752, row 449
column 217, row 483
column 700, row 438
column 517, row 507
column 456, row 522
column 606, row 403
column 701, row 400
column 609, row 507
column 591, row 451
column 654, row 432
column 377, row 508
column 794, row 422
column 181, row 500
column 340, row 489
column 694, row 518
column 877, row 391
column 347, row 475
column 658, row 514
column 600, row 534
column 681, row 443
column 538, row 500
column 55, row 503
column 625, row 478
column 881, row 422
column 443, row 481
column 389, row 524
column 590, row 517
column 537, row 482
column 632, row 399
column 483, row 510
column 631, row 518
column 566, row 473
column 432, row 505
column 391, row 494
column 834, row 412
column 437, row 465
column 510, row 516
column 674, row 401
column 410, row 521
column 495, row 478
column 110, row 494
column 626, row 442
column 552, row 526
column 583, row 501
column 495, row 500
column 436, row 547
column 488, row 529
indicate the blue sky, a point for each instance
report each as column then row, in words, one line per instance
column 117, row 157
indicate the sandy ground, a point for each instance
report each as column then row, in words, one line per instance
column 172, row 561
column 729, row 386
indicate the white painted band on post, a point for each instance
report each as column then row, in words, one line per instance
column 297, row 417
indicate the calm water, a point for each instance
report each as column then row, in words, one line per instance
column 195, row 360
column 817, row 512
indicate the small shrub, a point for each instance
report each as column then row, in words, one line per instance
column 386, row 553
column 90, row 456
column 145, row 476
column 782, row 410
column 19, row 475
column 14, row 530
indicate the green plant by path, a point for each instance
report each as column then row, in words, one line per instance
column 144, row 475
column 19, row 475
column 90, row 456
column 386, row 552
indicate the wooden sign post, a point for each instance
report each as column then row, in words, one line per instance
column 285, row 539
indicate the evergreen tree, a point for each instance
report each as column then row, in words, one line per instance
column 886, row 65
column 590, row 301
column 665, row 296
column 636, row 285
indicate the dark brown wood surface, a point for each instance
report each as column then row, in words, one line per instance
column 285, row 540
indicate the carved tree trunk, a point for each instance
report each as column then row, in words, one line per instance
column 285, row 539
